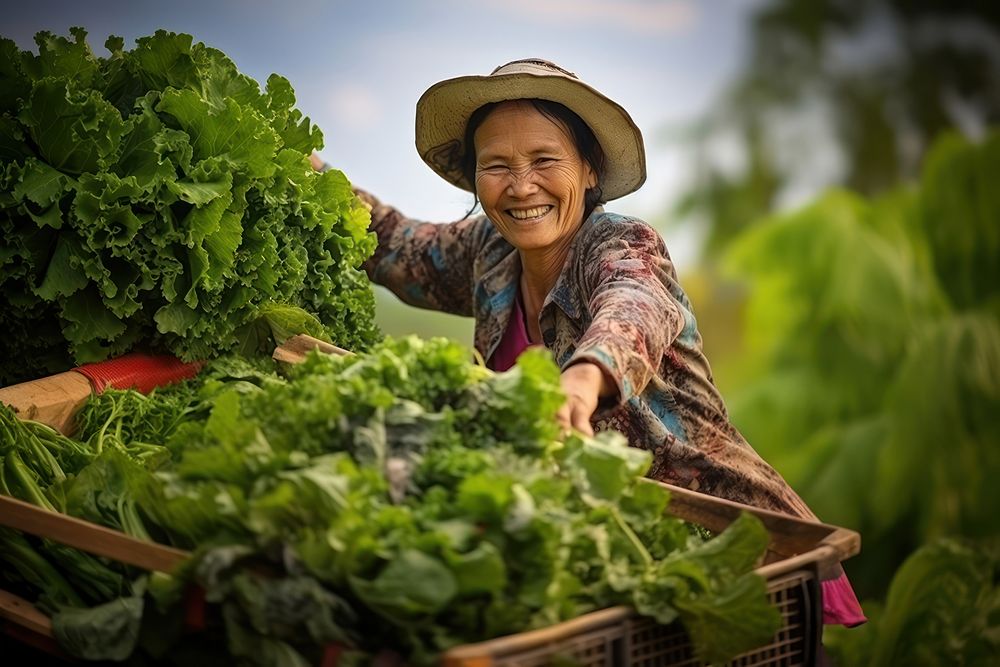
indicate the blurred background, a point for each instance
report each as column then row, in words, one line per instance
column 827, row 176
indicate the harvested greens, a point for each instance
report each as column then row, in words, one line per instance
column 402, row 499
column 157, row 196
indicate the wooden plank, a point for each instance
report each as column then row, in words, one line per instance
column 52, row 400
column 294, row 349
column 87, row 536
column 23, row 613
column 790, row 535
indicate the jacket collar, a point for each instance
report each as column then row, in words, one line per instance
column 497, row 288
column 565, row 293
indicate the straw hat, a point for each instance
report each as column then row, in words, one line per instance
column 444, row 109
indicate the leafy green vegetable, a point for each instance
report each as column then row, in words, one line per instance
column 106, row 632
column 159, row 197
column 943, row 607
column 37, row 465
column 434, row 498
column 347, row 503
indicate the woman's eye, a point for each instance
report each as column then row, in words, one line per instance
column 544, row 161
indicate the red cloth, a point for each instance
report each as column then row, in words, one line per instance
column 138, row 370
column 840, row 605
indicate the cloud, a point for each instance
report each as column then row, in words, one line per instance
column 355, row 106
column 641, row 16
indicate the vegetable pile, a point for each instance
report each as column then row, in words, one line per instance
column 158, row 196
column 402, row 499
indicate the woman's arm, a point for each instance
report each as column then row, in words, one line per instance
column 637, row 307
column 425, row 264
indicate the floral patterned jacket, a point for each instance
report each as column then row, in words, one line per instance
column 616, row 303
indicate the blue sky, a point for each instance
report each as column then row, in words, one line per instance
column 358, row 69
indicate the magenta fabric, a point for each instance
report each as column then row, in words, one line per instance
column 840, row 604
column 514, row 342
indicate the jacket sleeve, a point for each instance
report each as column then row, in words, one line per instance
column 427, row 265
column 636, row 305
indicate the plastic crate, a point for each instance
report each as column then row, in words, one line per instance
column 619, row 636
column 611, row 637
column 800, row 554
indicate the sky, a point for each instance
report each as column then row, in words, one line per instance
column 358, row 69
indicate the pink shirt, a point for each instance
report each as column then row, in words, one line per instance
column 515, row 340
column 840, row 605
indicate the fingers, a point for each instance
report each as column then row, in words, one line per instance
column 581, row 384
column 581, row 422
column 565, row 420
column 575, row 415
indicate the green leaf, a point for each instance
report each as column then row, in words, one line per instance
column 221, row 246
column 609, row 465
column 732, row 620
column 106, row 632
column 63, row 276
column 14, row 84
column 60, row 58
column 175, row 318
column 943, row 607
column 152, row 153
column 239, row 133
column 40, row 183
column 163, row 60
column 286, row 321
column 413, row 583
column 88, row 318
column 481, row 570
column 75, row 131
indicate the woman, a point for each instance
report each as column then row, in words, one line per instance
column 546, row 265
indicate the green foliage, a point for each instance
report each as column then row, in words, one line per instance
column 159, row 197
column 347, row 503
column 40, row 466
column 943, row 608
column 839, row 93
column 958, row 211
column 875, row 334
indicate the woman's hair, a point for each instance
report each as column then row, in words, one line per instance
column 581, row 134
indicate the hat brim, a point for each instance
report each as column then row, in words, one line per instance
column 443, row 112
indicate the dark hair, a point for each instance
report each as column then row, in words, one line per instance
column 583, row 138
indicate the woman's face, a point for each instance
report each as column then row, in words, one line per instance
column 530, row 178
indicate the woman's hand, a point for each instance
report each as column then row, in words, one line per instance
column 584, row 385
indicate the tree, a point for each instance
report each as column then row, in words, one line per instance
column 841, row 92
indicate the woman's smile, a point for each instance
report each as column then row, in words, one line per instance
column 530, row 178
column 533, row 214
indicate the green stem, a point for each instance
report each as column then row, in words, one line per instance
column 640, row 549
column 19, row 473
column 32, row 566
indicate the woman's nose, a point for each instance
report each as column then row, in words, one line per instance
column 522, row 182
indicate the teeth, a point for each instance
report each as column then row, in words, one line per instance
column 529, row 213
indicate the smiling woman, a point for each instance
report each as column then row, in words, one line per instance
column 547, row 265
column 534, row 185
